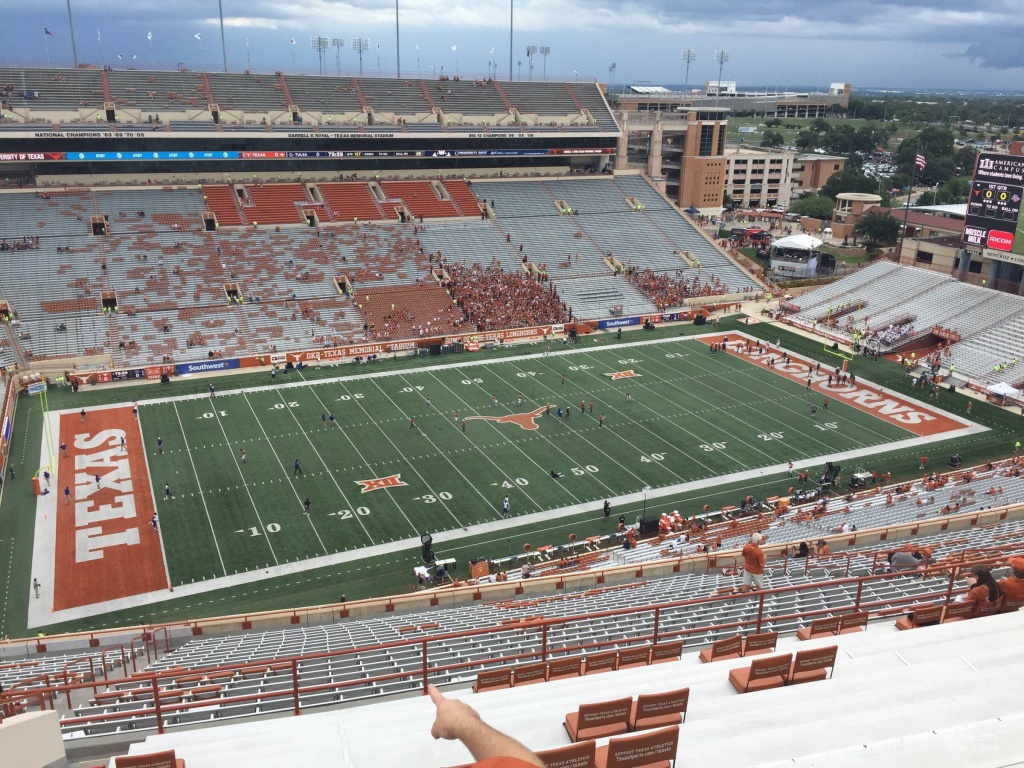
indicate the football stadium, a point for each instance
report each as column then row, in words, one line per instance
column 323, row 390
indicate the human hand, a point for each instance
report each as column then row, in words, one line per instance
column 452, row 718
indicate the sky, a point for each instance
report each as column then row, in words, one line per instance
column 926, row 44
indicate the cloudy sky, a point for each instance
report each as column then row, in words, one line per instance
column 910, row 44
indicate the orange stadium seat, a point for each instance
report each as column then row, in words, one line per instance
column 764, row 673
column 811, row 665
column 595, row 721
column 659, row 710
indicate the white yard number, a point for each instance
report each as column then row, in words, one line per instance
column 770, row 436
column 353, row 396
column 282, row 406
column 583, row 470
column 518, row 481
column 429, row 498
column 346, row 514
column 475, row 381
column 628, row 361
column 579, row 367
column 827, row 426
column 526, row 374
column 712, row 447
column 412, row 389
column 271, row 528
column 214, row 415
column 652, row 457
column 671, row 355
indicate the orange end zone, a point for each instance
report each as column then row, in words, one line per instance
column 106, row 548
column 870, row 398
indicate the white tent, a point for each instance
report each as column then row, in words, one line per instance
column 798, row 242
column 1004, row 390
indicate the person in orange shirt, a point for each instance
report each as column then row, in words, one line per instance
column 984, row 594
column 1012, row 586
column 753, row 564
column 823, row 550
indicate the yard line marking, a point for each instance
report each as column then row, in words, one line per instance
column 284, row 471
column 746, row 372
column 202, row 496
column 366, row 463
column 159, row 531
column 623, row 439
column 695, row 415
column 507, row 440
column 413, row 466
column 245, row 484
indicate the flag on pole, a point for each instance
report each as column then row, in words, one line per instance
column 47, row 32
column 492, row 49
column 455, row 47
column 119, row 56
column 293, row 41
column 149, row 36
column 920, row 162
column 199, row 37
column 134, row 57
column 97, row 35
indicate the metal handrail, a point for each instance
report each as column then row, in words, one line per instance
column 161, row 707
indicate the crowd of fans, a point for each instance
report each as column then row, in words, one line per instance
column 666, row 290
column 25, row 243
column 893, row 334
column 492, row 298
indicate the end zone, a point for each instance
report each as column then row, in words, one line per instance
column 914, row 416
column 96, row 543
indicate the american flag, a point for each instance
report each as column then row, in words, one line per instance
column 919, row 161
column 47, row 32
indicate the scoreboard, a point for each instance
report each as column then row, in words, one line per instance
column 993, row 208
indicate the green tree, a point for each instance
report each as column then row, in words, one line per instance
column 956, row 190
column 848, row 180
column 771, row 138
column 877, row 228
column 814, row 206
column 807, row 139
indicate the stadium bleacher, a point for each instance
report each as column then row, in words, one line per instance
column 169, row 275
column 357, row 274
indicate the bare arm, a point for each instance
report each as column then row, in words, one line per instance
column 457, row 720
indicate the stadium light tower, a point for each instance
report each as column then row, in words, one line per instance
column 531, row 54
column 544, row 51
column 320, row 43
column 688, row 55
column 338, row 43
column 721, row 57
column 360, row 45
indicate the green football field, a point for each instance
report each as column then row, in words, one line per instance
column 691, row 416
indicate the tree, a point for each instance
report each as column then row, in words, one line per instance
column 875, row 228
column 807, row 139
column 848, row 180
column 814, row 206
column 771, row 138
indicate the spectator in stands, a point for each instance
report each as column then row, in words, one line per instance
column 490, row 748
column 1012, row 586
column 984, row 594
column 753, row 564
column 903, row 560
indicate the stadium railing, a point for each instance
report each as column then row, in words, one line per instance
column 290, row 696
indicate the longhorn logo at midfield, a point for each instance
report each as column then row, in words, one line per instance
column 524, row 420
